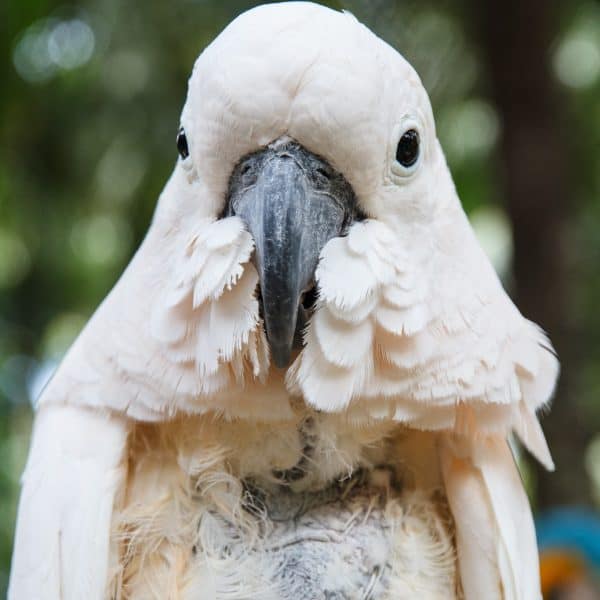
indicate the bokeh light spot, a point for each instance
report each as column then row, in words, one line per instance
column 469, row 130
column 101, row 239
column 60, row 334
column 577, row 60
column 120, row 171
column 126, row 73
column 592, row 464
column 50, row 45
column 71, row 43
column 493, row 231
column 15, row 260
column 39, row 378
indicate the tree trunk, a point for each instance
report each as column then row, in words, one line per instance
column 516, row 38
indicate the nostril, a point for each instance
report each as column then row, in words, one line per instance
column 324, row 173
column 309, row 298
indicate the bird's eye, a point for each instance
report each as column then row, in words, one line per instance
column 407, row 151
column 182, row 145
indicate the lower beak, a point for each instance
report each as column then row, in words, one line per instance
column 293, row 204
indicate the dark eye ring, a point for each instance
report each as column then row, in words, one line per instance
column 182, row 145
column 407, row 151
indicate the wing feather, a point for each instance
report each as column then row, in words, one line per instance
column 73, row 477
column 495, row 535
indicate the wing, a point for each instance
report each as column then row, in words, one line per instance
column 75, row 471
column 495, row 535
column 415, row 326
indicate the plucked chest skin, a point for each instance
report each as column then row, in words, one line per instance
column 310, row 508
column 304, row 382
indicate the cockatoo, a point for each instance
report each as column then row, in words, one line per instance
column 303, row 384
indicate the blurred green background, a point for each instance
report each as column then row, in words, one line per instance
column 89, row 103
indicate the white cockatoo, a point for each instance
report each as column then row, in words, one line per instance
column 303, row 384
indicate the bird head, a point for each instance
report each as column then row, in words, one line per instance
column 301, row 122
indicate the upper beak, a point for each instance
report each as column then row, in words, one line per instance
column 292, row 203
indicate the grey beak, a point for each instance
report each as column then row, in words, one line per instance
column 292, row 203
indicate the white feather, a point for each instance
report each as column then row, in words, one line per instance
column 496, row 543
column 74, row 475
column 344, row 280
column 343, row 344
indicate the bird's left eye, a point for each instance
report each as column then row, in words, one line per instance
column 407, row 151
column 182, row 145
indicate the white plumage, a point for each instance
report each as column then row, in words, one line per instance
column 157, row 444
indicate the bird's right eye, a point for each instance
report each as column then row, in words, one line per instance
column 182, row 145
